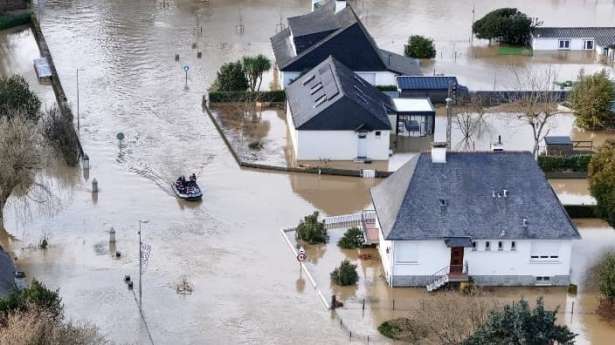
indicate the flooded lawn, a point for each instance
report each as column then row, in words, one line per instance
column 383, row 303
column 228, row 247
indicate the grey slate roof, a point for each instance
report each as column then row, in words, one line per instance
column 603, row 36
column 341, row 35
column 410, row 202
column 406, row 82
column 332, row 97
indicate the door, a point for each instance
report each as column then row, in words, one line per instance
column 456, row 260
column 362, row 146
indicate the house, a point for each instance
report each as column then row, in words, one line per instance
column 311, row 38
column 334, row 114
column 489, row 216
column 437, row 88
column 599, row 39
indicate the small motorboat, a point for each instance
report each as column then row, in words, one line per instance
column 187, row 189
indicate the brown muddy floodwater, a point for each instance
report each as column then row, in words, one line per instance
column 228, row 247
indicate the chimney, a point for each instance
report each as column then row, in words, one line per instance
column 438, row 152
column 498, row 147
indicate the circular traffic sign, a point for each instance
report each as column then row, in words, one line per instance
column 301, row 257
column 120, row 136
column 186, row 68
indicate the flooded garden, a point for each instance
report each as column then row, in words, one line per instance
column 228, row 248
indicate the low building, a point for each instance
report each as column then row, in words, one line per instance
column 436, row 88
column 333, row 114
column 413, row 117
column 558, row 146
column 311, row 38
column 488, row 216
column 599, row 39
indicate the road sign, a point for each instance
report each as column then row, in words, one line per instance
column 186, row 68
column 120, row 136
column 301, row 255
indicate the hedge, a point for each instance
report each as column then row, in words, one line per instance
column 242, row 96
column 12, row 20
column 581, row 211
column 384, row 88
column 576, row 163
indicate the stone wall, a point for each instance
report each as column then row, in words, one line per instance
column 494, row 280
column 11, row 5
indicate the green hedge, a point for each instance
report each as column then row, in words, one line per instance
column 581, row 211
column 577, row 163
column 242, row 96
column 387, row 87
column 9, row 20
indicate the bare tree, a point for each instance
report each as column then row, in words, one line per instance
column 470, row 120
column 21, row 154
column 537, row 101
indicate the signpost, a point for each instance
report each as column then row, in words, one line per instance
column 301, row 256
column 186, row 69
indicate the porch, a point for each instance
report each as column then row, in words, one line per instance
column 364, row 220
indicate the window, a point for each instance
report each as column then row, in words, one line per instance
column 543, row 279
column 500, row 245
column 377, row 133
column 474, row 246
column 564, row 44
column 544, row 250
column 487, row 245
column 588, row 45
column 513, row 245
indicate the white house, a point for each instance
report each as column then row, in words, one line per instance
column 490, row 216
column 312, row 37
column 334, row 114
column 599, row 39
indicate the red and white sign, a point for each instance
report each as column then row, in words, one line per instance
column 301, row 255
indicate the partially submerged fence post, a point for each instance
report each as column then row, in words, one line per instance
column 334, row 303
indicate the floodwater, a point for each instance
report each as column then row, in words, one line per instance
column 228, row 247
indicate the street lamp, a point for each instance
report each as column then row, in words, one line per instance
column 145, row 221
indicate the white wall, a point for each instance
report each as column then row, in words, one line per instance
column 518, row 262
column 385, row 258
column 431, row 257
column 339, row 145
column 553, row 43
column 291, row 129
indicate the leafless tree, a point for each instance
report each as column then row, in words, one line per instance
column 22, row 155
column 537, row 101
column 469, row 117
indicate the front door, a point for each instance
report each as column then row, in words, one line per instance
column 362, row 148
column 457, row 260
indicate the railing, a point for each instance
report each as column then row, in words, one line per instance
column 585, row 145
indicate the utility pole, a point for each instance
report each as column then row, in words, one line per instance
column 141, row 264
column 449, row 121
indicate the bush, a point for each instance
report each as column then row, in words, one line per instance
column 230, row 77
column 245, row 96
column 345, row 274
column 590, row 98
column 353, row 238
column 311, row 230
column 506, row 25
column 420, row 47
column 12, row 20
column 518, row 324
column 606, row 277
column 577, row 163
column 602, row 181
column 15, row 94
column 60, row 132
column 403, row 329
column 36, row 296
column 384, row 88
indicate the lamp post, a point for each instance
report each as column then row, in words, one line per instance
column 141, row 262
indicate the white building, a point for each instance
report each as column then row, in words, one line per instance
column 333, row 114
column 490, row 216
column 331, row 31
column 599, row 39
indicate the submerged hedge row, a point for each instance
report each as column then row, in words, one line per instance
column 242, row 96
column 12, row 20
column 577, row 163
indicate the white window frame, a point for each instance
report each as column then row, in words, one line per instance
column 563, row 46
column 592, row 43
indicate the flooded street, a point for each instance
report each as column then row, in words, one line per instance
column 229, row 246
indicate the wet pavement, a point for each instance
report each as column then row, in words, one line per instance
column 228, row 247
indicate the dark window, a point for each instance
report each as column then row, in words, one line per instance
column 513, row 245
column 500, row 245
column 564, row 44
column 534, row 256
column 474, row 246
column 377, row 133
column 487, row 245
column 554, row 257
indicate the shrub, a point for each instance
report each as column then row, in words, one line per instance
column 345, row 274
column 245, row 96
column 403, row 329
column 384, row 88
column 15, row 94
column 253, row 69
column 420, row 47
column 606, row 277
column 12, row 20
column 36, row 296
column 602, row 181
column 519, row 324
column 230, row 77
column 353, row 238
column 506, row 25
column 590, row 98
column 311, row 230
column 60, row 132
column 578, row 163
